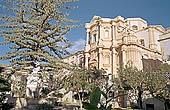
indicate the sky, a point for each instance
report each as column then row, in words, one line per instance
column 155, row 12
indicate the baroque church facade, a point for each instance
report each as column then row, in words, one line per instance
column 111, row 43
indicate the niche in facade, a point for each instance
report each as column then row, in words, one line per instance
column 106, row 59
column 134, row 27
column 142, row 42
column 106, row 34
column 94, row 38
column 89, row 39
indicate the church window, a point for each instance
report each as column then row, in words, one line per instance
column 90, row 39
column 142, row 42
column 106, row 34
column 134, row 27
column 94, row 38
column 107, row 59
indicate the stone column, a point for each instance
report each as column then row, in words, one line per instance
column 97, row 37
column 124, row 56
column 100, row 35
column 152, row 44
column 113, row 33
column 86, row 60
column 99, row 30
column 87, row 36
column 100, row 59
column 114, row 62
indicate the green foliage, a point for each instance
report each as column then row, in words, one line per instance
column 145, row 80
column 7, row 106
column 45, row 91
column 4, row 105
column 95, row 100
column 83, row 80
column 95, row 96
column 1, row 69
column 165, row 67
column 161, row 88
column 4, row 85
column 89, row 106
column 35, row 31
column 131, row 77
column 77, row 80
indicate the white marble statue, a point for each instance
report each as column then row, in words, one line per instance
column 33, row 81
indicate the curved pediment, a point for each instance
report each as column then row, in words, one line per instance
column 94, row 19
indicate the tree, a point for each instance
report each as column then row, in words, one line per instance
column 4, row 87
column 4, row 84
column 83, row 82
column 35, row 31
column 146, row 80
column 132, row 79
column 78, row 82
column 95, row 98
column 158, row 84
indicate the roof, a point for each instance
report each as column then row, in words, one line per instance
column 136, row 19
column 76, row 53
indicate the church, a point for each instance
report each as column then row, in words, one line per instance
column 113, row 42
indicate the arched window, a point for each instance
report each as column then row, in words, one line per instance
column 106, row 34
column 89, row 39
column 134, row 27
column 107, row 59
column 94, row 38
column 142, row 42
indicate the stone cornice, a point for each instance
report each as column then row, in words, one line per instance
column 136, row 19
column 164, row 37
column 157, row 27
column 143, row 47
column 76, row 53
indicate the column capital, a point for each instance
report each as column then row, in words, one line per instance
column 100, row 50
column 113, row 23
column 150, row 29
column 114, row 51
column 87, row 30
column 124, row 48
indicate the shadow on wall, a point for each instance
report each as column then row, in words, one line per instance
column 154, row 64
column 153, row 104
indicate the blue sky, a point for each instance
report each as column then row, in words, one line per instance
column 155, row 12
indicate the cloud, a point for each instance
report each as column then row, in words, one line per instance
column 77, row 46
